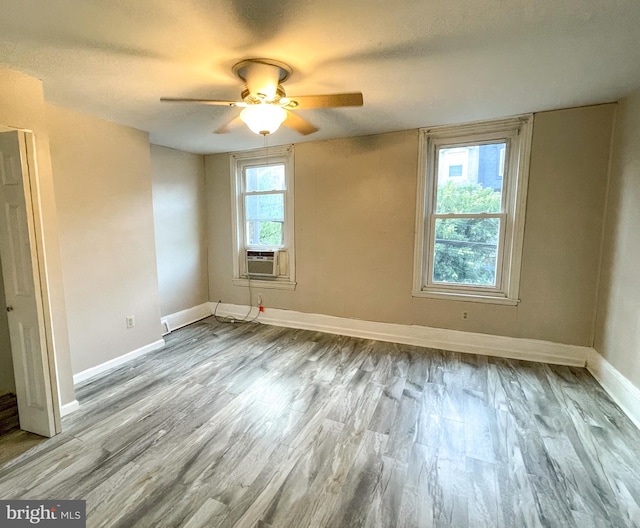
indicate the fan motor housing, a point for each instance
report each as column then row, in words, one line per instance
column 258, row 98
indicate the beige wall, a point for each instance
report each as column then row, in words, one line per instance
column 22, row 106
column 618, row 323
column 179, row 217
column 102, row 175
column 563, row 231
column 7, row 381
column 354, row 227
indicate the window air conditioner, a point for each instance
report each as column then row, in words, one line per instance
column 262, row 264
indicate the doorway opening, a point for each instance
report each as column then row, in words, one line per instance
column 27, row 360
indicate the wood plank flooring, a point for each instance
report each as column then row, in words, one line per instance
column 247, row 425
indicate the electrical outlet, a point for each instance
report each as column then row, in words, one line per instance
column 130, row 320
column 259, row 299
column 465, row 316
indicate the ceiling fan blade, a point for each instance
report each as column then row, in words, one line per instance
column 226, row 127
column 202, row 101
column 300, row 125
column 302, row 102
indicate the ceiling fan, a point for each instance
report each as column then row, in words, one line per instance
column 266, row 105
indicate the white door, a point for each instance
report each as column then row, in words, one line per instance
column 22, row 289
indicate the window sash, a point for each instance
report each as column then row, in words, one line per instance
column 433, row 159
column 246, row 220
column 453, row 287
column 263, row 246
column 439, row 144
column 245, row 176
column 284, row 204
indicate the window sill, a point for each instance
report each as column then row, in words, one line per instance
column 275, row 284
column 465, row 297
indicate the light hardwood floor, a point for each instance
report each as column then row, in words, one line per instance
column 258, row 426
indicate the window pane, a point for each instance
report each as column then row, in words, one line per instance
column 264, row 207
column 264, row 178
column 264, row 233
column 466, row 251
column 470, row 179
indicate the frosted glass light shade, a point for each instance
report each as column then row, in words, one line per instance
column 263, row 118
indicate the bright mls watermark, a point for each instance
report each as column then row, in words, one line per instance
column 44, row 514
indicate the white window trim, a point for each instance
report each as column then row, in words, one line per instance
column 517, row 131
column 239, row 160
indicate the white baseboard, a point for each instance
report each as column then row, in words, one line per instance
column 116, row 362
column 454, row 340
column 621, row 390
column 177, row 320
column 68, row 408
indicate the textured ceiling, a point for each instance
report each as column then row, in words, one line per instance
column 417, row 62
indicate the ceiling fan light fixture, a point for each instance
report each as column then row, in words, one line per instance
column 263, row 118
column 265, row 102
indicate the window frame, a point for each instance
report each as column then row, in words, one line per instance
column 240, row 161
column 516, row 133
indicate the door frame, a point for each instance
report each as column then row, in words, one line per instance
column 38, row 257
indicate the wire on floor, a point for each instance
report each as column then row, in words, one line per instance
column 233, row 320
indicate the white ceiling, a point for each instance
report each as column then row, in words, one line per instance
column 417, row 62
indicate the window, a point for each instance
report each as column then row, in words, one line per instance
column 472, row 192
column 454, row 163
column 262, row 184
